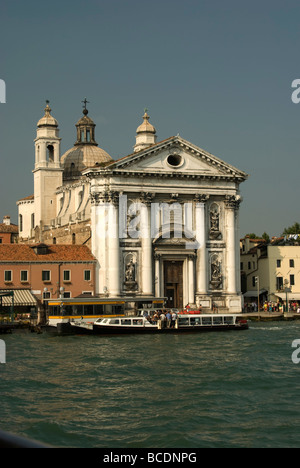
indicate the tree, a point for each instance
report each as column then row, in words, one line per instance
column 252, row 236
column 295, row 229
column 266, row 237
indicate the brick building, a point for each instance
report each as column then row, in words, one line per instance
column 8, row 231
column 40, row 272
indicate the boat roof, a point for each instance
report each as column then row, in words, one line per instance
column 104, row 300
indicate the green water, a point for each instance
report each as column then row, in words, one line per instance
column 228, row 389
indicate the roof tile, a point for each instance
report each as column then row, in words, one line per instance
column 61, row 253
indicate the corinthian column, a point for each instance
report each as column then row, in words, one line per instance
column 201, row 270
column 146, row 241
column 191, row 295
column 231, row 204
column 113, row 247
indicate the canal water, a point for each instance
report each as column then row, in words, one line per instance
column 230, row 389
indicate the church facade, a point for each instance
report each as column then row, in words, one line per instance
column 161, row 222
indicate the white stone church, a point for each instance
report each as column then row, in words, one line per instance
column 162, row 221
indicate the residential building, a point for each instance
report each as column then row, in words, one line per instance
column 271, row 268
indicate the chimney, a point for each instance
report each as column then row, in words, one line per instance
column 6, row 220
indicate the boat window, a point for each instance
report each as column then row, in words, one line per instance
column 114, row 321
column 88, row 309
column 98, row 309
column 195, row 321
column 206, row 320
column 66, row 310
column 229, row 320
column 126, row 322
column 105, row 321
column 218, row 320
column 117, row 310
column 77, row 309
column 137, row 322
column 183, row 321
column 108, row 309
column 54, row 310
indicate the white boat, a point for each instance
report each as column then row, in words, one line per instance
column 184, row 323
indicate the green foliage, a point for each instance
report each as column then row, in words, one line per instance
column 295, row 229
column 264, row 236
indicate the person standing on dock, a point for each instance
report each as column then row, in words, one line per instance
column 169, row 318
column 163, row 319
column 174, row 318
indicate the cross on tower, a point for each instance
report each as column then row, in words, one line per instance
column 85, row 102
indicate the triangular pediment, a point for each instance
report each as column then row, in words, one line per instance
column 176, row 156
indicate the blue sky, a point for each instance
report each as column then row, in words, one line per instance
column 218, row 73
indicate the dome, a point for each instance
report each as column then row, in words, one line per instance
column 85, row 152
column 81, row 157
column 47, row 120
column 146, row 127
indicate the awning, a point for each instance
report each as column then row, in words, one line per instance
column 254, row 293
column 22, row 297
column 290, row 295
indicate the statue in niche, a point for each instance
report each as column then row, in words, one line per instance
column 214, row 232
column 130, row 271
column 216, row 276
column 130, row 282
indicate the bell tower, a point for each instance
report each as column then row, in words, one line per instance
column 145, row 134
column 47, row 170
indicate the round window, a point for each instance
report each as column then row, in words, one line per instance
column 174, row 160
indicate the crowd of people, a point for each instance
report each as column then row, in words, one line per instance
column 168, row 318
column 270, row 306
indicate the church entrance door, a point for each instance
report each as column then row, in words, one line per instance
column 173, row 283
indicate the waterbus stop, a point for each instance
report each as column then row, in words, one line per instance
column 3, row 308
